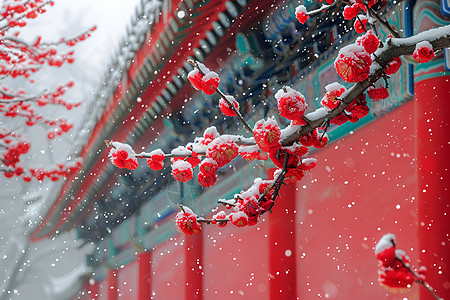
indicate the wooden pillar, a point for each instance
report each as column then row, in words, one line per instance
column 433, row 162
column 93, row 290
column 432, row 92
column 282, row 249
column 194, row 266
column 144, row 275
column 112, row 284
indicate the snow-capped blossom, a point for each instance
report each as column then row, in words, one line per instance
column 393, row 66
column 301, row 14
column 361, row 27
column 291, row 103
column 330, row 100
column 182, row 171
column 238, row 219
column 393, row 265
column 370, row 42
column 208, row 165
column 209, row 135
column 195, row 77
column 250, row 153
column 222, row 151
column 321, row 138
column 267, row 134
column 210, row 83
column 204, row 79
column 423, row 52
column 226, row 109
column 264, row 187
column 221, row 215
column 353, row 63
column 207, row 179
column 378, row 93
column 123, row 156
column 385, row 249
column 156, row 160
column 250, row 207
column 187, row 222
column 352, row 11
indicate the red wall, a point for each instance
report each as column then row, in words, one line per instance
column 319, row 242
column 127, row 285
column 364, row 186
column 168, row 270
column 236, row 262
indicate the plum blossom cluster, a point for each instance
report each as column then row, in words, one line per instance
column 13, row 146
column 15, row 13
column 354, row 62
column 394, row 270
column 21, row 59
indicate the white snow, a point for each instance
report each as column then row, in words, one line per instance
column 181, row 165
column 387, row 241
column 424, row 44
column 301, row 9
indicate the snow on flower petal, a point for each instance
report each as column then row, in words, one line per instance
column 331, row 98
column 195, row 77
column 187, row 223
column 123, row 156
column 182, row 170
column 423, row 52
column 208, row 165
column 291, row 103
column 267, row 134
column 301, row 14
column 210, row 83
column 222, row 151
column 156, row 160
column 393, row 66
column 239, row 219
column 353, row 63
column 225, row 107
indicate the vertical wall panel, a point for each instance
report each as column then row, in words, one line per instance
column 364, row 186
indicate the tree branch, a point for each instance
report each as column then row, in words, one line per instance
column 439, row 39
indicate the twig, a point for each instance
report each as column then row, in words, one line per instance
column 6, row 27
column 322, row 8
column 208, row 221
column 222, row 95
column 386, row 24
column 424, row 283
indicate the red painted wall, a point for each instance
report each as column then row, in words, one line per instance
column 127, row 285
column 364, row 186
column 236, row 262
column 168, row 265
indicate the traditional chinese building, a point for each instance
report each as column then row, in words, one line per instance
column 386, row 173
